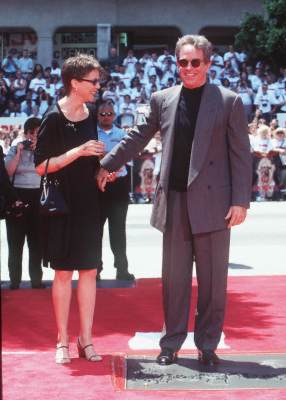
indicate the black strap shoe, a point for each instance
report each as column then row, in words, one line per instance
column 208, row 357
column 167, row 357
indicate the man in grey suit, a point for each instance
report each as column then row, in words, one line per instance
column 203, row 190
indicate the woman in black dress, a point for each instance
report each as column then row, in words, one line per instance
column 68, row 138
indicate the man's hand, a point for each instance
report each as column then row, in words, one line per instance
column 236, row 215
column 102, row 178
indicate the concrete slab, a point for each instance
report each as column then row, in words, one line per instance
column 263, row 371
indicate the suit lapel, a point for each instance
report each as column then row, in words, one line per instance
column 203, row 131
column 168, row 119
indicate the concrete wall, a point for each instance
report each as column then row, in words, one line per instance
column 189, row 16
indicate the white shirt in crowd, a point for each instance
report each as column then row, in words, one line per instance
column 265, row 101
column 217, row 63
column 234, row 59
column 246, row 95
column 56, row 71
column 263, row 145
column 35, row 84
column 255, row 81
column 129, row 63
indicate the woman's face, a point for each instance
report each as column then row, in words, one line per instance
column 87, row 87
column 33, row 136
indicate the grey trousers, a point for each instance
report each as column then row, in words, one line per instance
column 211, row 252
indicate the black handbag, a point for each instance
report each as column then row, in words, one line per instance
column 52, row 202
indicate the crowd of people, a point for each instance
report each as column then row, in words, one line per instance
column 28, row 89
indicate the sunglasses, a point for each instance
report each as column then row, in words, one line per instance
column 195, row 62
column 106, row 114
column 93, row 81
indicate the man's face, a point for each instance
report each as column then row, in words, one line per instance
column 192, row 77
column 105, row 117
column 213, row 74
column 113, row 51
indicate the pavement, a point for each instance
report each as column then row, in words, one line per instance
column 258, row 246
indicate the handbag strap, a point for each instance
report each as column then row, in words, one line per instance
column 46, row 168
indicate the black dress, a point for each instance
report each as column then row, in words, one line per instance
column 71, row 242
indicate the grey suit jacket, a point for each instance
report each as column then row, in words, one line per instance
column 220, row 169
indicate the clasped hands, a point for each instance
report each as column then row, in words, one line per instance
column 103, row 177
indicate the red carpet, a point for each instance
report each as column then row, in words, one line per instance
column 255, row 322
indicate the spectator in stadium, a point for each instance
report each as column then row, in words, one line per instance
column 38, row 68
column 113, row 59
column 55, row 69
column 21, row 169
column 19, row 87
column 126, row 111
column 213, row 79
column 36, row 83
column 25, row 63
column 266, row 102
column 262, row 143
column 8, row 195
column 14, row 110
column 6, row 145
column 129, row 62
column 246, row 94
column 233, row 57
column 279, row 147
column 217, row 63
column 10, row 63
column 168, row 70
column 114, row 201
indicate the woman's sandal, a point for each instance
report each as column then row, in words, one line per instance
column 87, row 352
column 62, row 354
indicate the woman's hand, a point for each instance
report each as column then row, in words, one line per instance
column 91, row 148
column 19, row 147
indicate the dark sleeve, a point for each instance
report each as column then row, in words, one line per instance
column 6, row 188
column 240, row 156
column 48, row 144
column 136, row 139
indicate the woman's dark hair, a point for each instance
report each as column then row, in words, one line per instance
column 31, row 124
column 77, row 68
column 37, row 68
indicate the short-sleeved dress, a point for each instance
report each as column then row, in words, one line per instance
column 71, row 242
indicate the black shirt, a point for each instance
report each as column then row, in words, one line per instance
column 185, row 124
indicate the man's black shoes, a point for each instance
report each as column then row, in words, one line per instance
column 208, row 357
column 14, row 286
column 167, row 357
column 38, row 286
column 124, row 276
